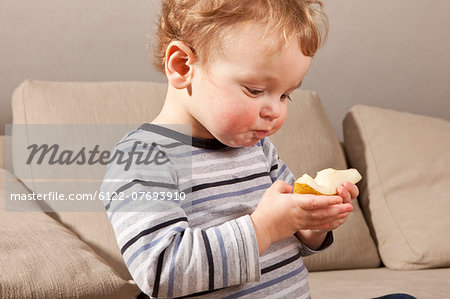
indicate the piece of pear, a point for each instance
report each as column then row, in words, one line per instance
column 326, row 181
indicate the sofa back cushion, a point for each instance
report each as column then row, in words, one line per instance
column 41, row 102
column 306, row 142
column 405, row 161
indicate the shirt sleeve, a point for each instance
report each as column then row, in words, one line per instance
column 280, row 171
column 329, row 239
column 164, row 255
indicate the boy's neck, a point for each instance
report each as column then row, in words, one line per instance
column 174, row 112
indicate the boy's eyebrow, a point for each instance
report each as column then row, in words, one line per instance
column 269, row 77
column 300, row 84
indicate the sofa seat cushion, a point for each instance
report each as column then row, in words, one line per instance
column 405, row 162
column 370, row 283
column 40, row 258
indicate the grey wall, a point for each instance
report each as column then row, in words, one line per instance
column 386, row 53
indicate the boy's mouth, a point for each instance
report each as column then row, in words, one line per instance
column 261, row 133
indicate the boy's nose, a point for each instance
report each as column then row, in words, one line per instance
column 271, row 110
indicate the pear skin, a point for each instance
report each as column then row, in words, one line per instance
column 306, row 189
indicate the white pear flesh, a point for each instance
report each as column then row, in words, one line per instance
column 328, row 180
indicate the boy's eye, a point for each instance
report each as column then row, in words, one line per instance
column 285, row 96
column 254, row 92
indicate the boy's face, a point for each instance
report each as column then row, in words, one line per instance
column 243, row 98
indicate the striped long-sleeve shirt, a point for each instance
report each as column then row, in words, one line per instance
column 180, row 213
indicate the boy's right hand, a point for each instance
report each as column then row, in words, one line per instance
column 280, row 214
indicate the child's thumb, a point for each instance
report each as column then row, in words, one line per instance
column 282, row 187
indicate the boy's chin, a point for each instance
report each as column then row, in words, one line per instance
column 241, row 143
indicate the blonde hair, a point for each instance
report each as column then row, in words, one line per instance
column 204, row 25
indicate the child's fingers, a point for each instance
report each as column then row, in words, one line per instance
column 281, row 187
column 352, row 189
column 327, row 226
column 313, row 202
column 321, row 224
column 331, row 223
column 345, row 194
column 330, row 213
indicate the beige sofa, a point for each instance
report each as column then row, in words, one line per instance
column 398, row 241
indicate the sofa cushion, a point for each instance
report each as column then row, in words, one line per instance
column 42, row 102
column 54, row 103
column 307, row 143
column 371, row 283
column 2, row 151
column 405, row 161
column 40, row 258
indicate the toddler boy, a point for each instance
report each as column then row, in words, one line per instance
column 214, row 215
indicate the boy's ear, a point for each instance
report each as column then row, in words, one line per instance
column 179, row 64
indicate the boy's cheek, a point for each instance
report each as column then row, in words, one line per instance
column 278, row 123
column 241, row 116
